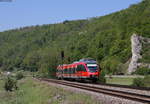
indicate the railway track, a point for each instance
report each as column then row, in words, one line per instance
column 122, row 94
column 125, row 86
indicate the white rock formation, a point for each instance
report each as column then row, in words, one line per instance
column 136, row 49
column 136, row 45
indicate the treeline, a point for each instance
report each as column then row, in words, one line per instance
column 106, row 39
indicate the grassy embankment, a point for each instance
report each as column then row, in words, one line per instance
column 33, row 92
column 120, row 81
column 139, row 81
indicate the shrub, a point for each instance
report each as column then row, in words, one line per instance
column 142, row 71
column 138, row 82
column 102, row 78
column 146, row 81
column 19, row 75
column 10, row 84
column 142, row 82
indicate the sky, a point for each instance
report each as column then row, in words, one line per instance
column 21, row 13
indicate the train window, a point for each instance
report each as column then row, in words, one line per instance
column 78, row 68
column 93, row 68
column 69, row 70
column 65, row 71
column 73, row 70
column 81, row 68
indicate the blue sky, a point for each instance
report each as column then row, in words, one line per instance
column 20, row 13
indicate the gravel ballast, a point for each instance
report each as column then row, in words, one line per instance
column 103, row 98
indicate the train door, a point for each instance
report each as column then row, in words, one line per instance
column 78, row 71
column 81, row 71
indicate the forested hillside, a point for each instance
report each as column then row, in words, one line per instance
column 106, row 39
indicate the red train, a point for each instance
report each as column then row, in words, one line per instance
column 84, row 69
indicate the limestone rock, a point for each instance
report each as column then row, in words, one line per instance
column 136, row 45
column 136, row 49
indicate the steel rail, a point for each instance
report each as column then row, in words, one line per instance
column 116, row 93
column 125, row 86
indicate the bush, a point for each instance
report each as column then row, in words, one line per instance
column 102, row 78
column 142, row 82
column 146, row 81
column 19, row 75
column 10, row 84
column 142, row 71
column 138, row 82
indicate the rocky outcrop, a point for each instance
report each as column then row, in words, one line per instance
column 136, row 49
column 136, row 44
column 143, row 65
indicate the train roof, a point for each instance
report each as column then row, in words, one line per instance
column 92, row 61
column 81, row 61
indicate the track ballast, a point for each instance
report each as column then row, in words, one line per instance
column 111, row 92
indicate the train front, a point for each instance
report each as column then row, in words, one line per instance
column 93, row 70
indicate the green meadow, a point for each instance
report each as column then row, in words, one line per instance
column 34, row 92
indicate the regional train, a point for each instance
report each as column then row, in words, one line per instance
column 84, row 69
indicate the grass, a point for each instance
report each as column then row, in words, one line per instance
column 120, row 81
column 1, row 85
column 1, row 82
column 33, row 92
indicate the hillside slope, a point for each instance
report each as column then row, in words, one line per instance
column 105, row 38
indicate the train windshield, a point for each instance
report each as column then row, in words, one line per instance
column 92, row 67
